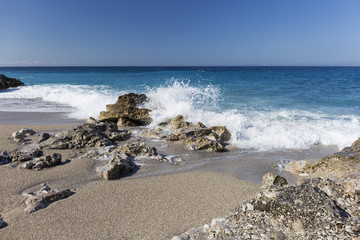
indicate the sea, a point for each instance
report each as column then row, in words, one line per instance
column 264, row 108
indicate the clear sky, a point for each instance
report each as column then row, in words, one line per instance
column 182, row 32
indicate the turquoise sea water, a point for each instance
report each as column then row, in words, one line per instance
column 264, row 107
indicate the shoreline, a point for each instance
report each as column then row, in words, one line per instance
column 37, row 118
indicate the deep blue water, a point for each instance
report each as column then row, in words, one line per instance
column 291, row 107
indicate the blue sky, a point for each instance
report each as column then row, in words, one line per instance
column 183, row 32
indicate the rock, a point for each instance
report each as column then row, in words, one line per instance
column 137, row 149
column 179, row 122
column 181, row 237
column 202, row 143
column 298, row 227
column 118, row 166
column 6, row 82
column 43, row 137
column 123, row 121
column 25, row 154
column 87, row 135
column 43, row 162
column 21, row 134
column 4, row 158
column 127, row 108
column 92, row 120
column 270, row 179
column 35, row 201
column 2, row 223
column 295, row 166
column 222, row 132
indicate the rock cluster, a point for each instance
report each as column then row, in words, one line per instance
column 118, row 166
column 35, row 201
column 198, row 137
column 87, row 135
column 25, row 154
column 6, row 82
column 126, row 111
column 43, row 162
column 304, row 211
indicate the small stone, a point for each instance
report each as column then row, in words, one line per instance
column 298, row 227
column 250, row 207
column 181, row 237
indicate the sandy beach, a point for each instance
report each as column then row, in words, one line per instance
column 156, row 207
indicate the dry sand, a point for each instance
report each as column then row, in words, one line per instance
column 129, row 208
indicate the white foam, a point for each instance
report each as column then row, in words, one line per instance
column 264, row 130
column 80, row 101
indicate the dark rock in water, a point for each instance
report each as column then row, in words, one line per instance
column 44, row 162
column 127, row 109
column 35, row 201
column 25, row 154
column 87, row 135
column 4, row 158
column 118, row 166
column 2, row 223
column 6, row 82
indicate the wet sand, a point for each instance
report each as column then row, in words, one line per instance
column 135, row 207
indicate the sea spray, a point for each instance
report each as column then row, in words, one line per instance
column 257, row 129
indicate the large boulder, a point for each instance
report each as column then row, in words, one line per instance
column 6, row 82
column 127, row 110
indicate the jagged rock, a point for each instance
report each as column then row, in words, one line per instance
column 198, row 137
column 35, row 201
column 25, row 154
column 6, row 82
column 342, row 160
column 21, row 134
column 4, row 158
column 2, row 223
column 270, row 179
column 118, row 166
column 127, row 108
column 222, row 132
column 303, row 211
column 137, row 149
column 126, row 122
column 92, row 120
column 43, row 137
column 43, row 162
column 87, row 135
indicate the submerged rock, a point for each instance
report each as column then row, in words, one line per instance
column 118, row 166
column 87, row 135
column 127, row 110
column 35, row 201
column 6, row 82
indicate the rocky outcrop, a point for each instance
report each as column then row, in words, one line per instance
column 344, row 160
column 126, row 111
column 119, row 165
column 43, row 162
column 87, row 135
column 6, row 82
column 35, row 201
column 304, row 211
column 198, row 137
